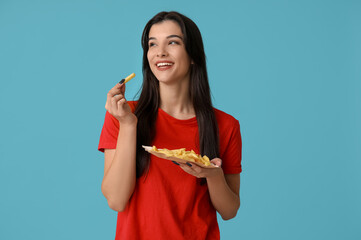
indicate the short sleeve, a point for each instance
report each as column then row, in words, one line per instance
column 109, row 134
column 231, row 149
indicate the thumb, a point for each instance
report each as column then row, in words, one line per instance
column 217, row 162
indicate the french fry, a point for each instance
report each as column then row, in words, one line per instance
column 183, row 154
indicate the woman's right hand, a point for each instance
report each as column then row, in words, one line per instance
column 117, row 105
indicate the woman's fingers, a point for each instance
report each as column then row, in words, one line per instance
column 114, row 96
column 112, row 92
column 192, row 169
column 117, row 105
column 122, row 88
column 201, row 172
column 111, row 104
column 217, row 162
column 120, row 106
column 117, row 89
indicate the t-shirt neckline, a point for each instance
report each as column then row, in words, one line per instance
column 192, row 120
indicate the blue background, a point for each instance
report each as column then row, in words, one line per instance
column 289, row 71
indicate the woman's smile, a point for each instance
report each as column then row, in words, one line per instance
column 164, row 65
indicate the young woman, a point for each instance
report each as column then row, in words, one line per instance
column 155, row 198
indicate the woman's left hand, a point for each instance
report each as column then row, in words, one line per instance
column 201, row 172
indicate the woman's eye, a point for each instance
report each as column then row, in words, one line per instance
column 151, row 44
column 173, row 42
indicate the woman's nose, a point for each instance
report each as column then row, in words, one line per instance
column 162, row 52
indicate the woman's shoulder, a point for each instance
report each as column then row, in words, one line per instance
column 226, row 122
column 224, row 118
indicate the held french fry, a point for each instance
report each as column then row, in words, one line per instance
column 127, row 79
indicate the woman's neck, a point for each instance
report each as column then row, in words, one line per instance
column 175, row 100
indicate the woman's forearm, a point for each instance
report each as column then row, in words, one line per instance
column 120, row 177
column 223, row 198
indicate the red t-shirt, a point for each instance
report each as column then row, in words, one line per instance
column 167, row 202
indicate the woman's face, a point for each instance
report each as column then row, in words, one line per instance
column 167, row 55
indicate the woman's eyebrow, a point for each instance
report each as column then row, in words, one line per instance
column 170, row 36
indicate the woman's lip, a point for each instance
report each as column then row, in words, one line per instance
column 163, row 68
column 163, row 61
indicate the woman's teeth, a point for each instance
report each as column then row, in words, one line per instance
column 164, row 64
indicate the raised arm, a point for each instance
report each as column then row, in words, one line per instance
column 120, row 163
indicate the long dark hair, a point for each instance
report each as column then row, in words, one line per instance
column 148, row 103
